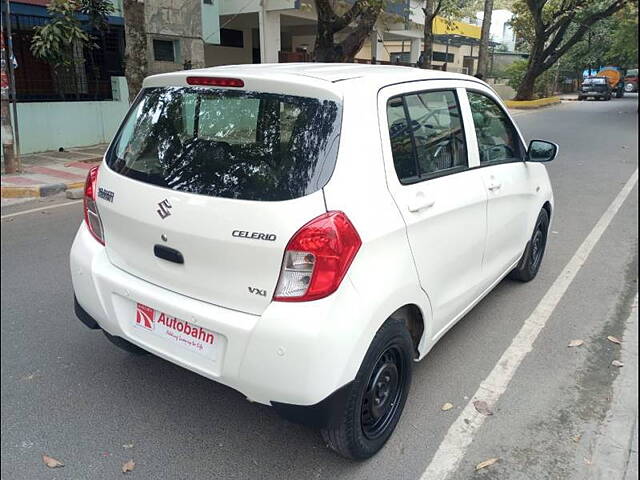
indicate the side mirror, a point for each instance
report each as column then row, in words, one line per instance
column 541, row 151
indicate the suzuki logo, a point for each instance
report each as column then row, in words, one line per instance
column 163, row 211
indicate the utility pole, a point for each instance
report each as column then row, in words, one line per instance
column 556, row 78
column 445, row 66
column 10, row 138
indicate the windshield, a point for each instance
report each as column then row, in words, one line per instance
column 233, row 144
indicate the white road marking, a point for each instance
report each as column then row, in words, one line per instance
column 460, row 435
column 58, row 205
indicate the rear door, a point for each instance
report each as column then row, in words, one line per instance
column 507, row 180
column 443, row 201
column 206, row 187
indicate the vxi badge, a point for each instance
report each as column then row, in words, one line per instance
column 269, row 237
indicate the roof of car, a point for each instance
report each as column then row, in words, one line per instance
column 330, row 72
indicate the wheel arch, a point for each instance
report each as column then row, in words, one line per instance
column 412, row 316
column 547, row 206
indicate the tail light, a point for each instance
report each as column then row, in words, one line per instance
column 317, row 258
column 91, row 215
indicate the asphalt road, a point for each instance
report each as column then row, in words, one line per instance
column 69, row 393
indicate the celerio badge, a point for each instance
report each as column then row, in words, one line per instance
column 163, row 211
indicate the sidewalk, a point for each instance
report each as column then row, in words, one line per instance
column 48, row 173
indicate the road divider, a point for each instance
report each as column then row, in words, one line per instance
column 38, row 191
column 531, row 104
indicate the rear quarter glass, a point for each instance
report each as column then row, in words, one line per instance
column 228, row 143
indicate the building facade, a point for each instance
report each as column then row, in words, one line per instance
column 272, row 31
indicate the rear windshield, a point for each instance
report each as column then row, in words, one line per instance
column 232, row 144
column 595, row 81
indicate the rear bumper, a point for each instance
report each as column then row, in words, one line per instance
column 594, row 94
column 295, row 356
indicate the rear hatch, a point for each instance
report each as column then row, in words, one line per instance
column 203, row 187
column 595, row 85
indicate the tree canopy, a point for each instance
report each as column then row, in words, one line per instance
column 552, row 27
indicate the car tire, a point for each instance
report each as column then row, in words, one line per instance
column 529, row 264
column 628, row 88
column 580, row 98
column 377, row 395
column 125, row 345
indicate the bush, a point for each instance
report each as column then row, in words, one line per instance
column 544, row 86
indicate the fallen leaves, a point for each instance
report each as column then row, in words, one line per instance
column 615, row 340
column 486, row 463
column 575, row 343
column 128, row 466
column 617, row 363
column 52, row 462
column 482, row 407
column 447, row 406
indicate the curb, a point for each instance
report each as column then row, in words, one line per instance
column 614, row 446
column 38, row 191
column 531, row 104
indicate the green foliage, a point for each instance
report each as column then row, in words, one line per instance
column 471, row 7
column 623, row 47
column 54, row 42
column 612, row 41
column 515, row 72
column 97, row 12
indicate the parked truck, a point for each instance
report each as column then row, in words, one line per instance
column 631, row 80
column 615, row 78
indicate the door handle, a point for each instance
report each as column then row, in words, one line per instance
column 420, row 202
column 494, row 186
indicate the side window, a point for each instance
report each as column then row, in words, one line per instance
column 437, row 129
column 498, row 139
column 427, row 137
column 401, row 141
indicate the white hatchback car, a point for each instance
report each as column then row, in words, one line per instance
column 303, row 232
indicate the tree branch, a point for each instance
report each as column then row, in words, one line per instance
column 553, row 56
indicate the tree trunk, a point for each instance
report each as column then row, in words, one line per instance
column 429, row 16
column 483, row 56
column 325, row 49
column 526, row 89
column 135, row 46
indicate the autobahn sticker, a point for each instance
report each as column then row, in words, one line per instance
column 183, row 333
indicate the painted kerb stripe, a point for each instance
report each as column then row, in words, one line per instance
column 460, row 435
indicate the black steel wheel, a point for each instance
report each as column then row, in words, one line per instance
column 383, row 393
column 531, row 260
column 377, row 395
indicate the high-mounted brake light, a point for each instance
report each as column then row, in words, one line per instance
column 215, row 81
column 317, row 258
column 91, row 215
